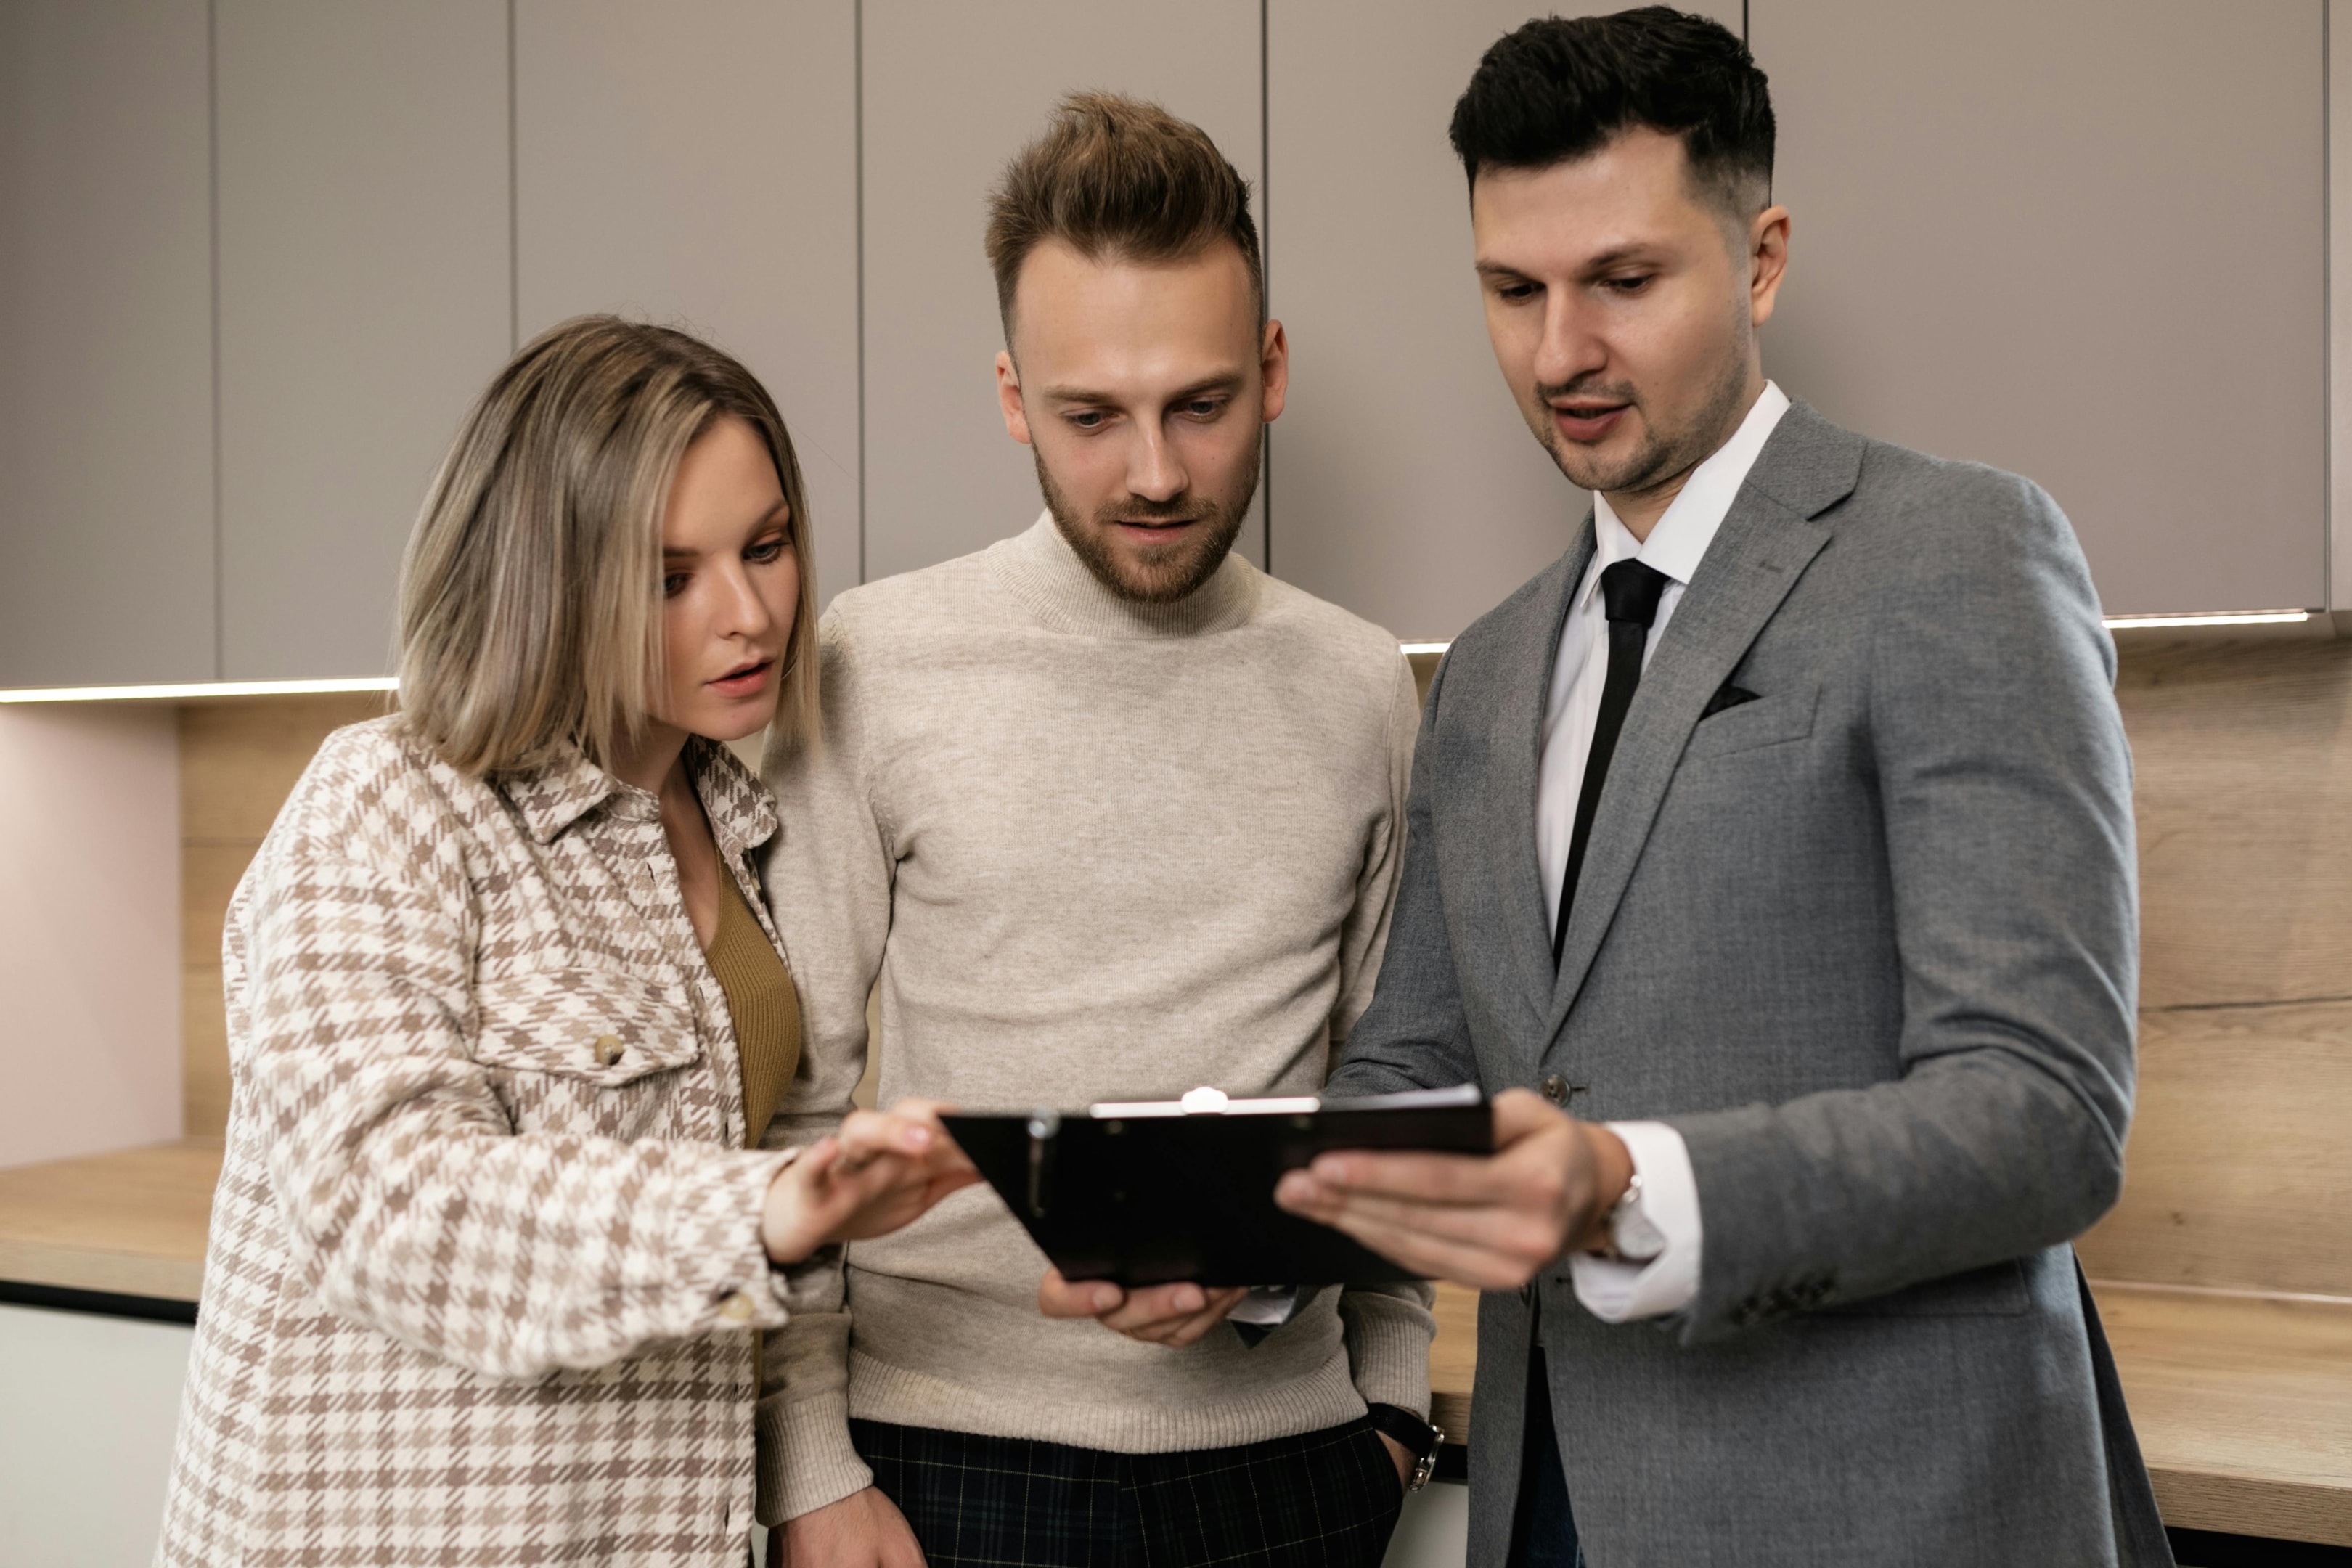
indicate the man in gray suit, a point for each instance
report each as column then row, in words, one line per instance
column 1779, row 836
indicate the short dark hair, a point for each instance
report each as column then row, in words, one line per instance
column 1114, row 176
column 1556, row 90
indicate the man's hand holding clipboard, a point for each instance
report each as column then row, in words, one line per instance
column 1490, row 1222
column 1172, row 1202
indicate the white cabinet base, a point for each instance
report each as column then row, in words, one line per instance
column 1434, row 1531
column 90, row 1406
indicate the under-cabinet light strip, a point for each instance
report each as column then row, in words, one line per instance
column 2114, row 623
column 192, row 689
column 186, row 691
column 2230, row 618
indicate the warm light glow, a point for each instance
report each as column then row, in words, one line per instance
column 2224, row 618
column 194, row 689
column 1413, row 647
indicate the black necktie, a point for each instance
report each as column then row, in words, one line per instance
column 1629, row 590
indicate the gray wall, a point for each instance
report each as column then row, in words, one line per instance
column 2084, row 240
column 696, row 164
column 106, row 434
column 951, row 90
column 363, row 303
column 1406, row 485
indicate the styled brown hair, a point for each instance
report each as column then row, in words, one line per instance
column 1113, row 176
column 530, row 592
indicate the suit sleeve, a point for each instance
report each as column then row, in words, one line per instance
column 828, row 881
column 1388, row 1327
column 2005, row 788
column 1415, row 1034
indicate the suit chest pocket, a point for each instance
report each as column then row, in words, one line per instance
column 1772, row 720
column 589, row 1053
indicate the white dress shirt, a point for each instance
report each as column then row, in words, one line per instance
column 1663, row 1221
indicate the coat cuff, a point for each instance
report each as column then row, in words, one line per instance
column 713, row 1221
column 807, row 1459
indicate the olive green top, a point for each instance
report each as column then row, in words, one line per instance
column 764, row 1005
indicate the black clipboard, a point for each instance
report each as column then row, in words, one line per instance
column 1153, row 1192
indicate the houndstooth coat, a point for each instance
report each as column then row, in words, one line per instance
column 485, row 1256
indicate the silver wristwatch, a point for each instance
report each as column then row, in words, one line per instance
column 1632, row 1237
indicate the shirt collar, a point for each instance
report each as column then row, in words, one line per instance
column 558, row 793
column 1689, row 525
column 553, row 798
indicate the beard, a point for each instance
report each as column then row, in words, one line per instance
column 1153, row 573
column 1664, row 454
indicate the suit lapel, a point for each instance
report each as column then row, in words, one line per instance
column 1530, row 649
column 1766, row 542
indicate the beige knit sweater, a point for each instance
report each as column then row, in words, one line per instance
column 1089, row 850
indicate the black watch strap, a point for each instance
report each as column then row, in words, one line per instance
column 1410, row 1432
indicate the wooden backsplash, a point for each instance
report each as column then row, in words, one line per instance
column 2239, row 1173
column 239, row 760
column 2240, row 1167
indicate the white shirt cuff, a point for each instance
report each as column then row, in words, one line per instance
column 1267, row 1306
column 1620, row 1291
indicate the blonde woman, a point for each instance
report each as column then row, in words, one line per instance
column 505, row 1200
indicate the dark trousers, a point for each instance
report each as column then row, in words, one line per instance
column 1325, row 1500
column 1543, row 1532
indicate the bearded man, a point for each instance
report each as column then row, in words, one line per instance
column 1103, row 813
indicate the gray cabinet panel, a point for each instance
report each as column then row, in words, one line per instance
column 952, row 90
column 365, row 300
column 696, row 165
column 106, row 417
column 2083, row 242
column 1407, row 487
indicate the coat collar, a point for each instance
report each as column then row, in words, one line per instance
column 1530, row 647
column 551, row 798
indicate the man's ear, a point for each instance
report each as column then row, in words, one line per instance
column 1008, row 398
column 1768, row 262
column 1274, row 370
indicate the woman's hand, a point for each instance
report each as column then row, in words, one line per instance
column 881, row 1171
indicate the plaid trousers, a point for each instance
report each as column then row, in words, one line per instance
column 1323, row 1499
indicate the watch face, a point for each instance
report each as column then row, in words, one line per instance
column 1635, row 1239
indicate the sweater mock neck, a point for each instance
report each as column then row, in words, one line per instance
column 1044, row 576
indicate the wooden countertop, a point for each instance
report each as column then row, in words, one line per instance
column 131, row 1223
column 2244, row 1403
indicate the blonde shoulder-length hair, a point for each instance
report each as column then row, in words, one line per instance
column 530, row 592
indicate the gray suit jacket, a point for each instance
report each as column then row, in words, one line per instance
column 1868, row 942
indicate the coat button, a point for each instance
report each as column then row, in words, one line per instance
column 609, row 1049
column 737, row 1308
column 1555, row 1088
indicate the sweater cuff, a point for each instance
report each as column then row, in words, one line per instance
column 807, row 1459
column 1388, row 1350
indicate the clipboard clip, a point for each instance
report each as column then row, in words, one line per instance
column 1045, row 1126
